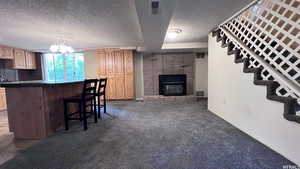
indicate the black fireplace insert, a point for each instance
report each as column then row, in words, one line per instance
column 172, row 85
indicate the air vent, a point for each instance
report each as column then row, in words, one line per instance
column 154, row 7
column 200, row 93
column 200, row 55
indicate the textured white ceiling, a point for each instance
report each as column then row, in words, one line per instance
column 35, row 24
column 88, row 24
column 198, row 17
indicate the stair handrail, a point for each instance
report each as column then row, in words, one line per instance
column 278, row 76
column 239, row 12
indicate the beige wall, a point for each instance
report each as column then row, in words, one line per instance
column 91, row 64
column 201, row 74
column 233, row 96
column 138, row 76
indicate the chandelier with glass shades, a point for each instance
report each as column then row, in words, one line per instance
column 61, row 47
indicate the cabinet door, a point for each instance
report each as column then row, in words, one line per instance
column 2, row 99
column 6, row 52
column 129, row 86
column 117, row 66
column 128, row 61
column 119, row 74
column 111, row 87
column 30, row 60
column 109, row 59
column 19, row 59
column 118, row 63
column 102, row 64
column 128, row 80
column 119, row 87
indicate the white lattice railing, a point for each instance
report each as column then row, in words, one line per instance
column 268, row 33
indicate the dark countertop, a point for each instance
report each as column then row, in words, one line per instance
column 35, row 83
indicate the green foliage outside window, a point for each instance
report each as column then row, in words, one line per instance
column 64, row 67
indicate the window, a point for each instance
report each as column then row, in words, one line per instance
column 64, row 67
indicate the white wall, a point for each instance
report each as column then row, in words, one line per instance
column 201, row 69
column 233, row 96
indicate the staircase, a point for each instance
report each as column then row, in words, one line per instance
column 265, row 38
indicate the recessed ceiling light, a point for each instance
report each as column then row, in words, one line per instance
column 173, row 33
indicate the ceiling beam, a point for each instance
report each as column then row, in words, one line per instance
column 154, row 27
column 192, row 45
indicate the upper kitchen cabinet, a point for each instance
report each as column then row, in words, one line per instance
column 22, row 60
column 6, row 52
column 18, row 58
column 30, row 60
column 19, row 61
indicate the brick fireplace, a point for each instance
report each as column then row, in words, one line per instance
column 170, row 64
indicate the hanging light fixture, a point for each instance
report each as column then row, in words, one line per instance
column 60, row 47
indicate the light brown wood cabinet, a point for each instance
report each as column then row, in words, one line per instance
column 22, row 60
column 36, row 112
column 19, row 61
column 128, row 69
column 117, row 66
column 6, row 52
column 30, row 60
column 2, row 99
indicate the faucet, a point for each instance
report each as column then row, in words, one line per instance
column 2, row 76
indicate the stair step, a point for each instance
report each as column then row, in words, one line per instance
column 241, row 60
column 262, row 82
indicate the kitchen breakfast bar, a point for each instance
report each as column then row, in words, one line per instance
column 35, row 108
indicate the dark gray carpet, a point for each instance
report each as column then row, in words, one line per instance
column 152, row 135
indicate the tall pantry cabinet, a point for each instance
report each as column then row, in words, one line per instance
column 117, row 66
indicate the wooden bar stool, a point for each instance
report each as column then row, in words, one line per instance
column 101, row 93
column 86, row 100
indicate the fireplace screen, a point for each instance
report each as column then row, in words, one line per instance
column 172, row 85
column 173, row 89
